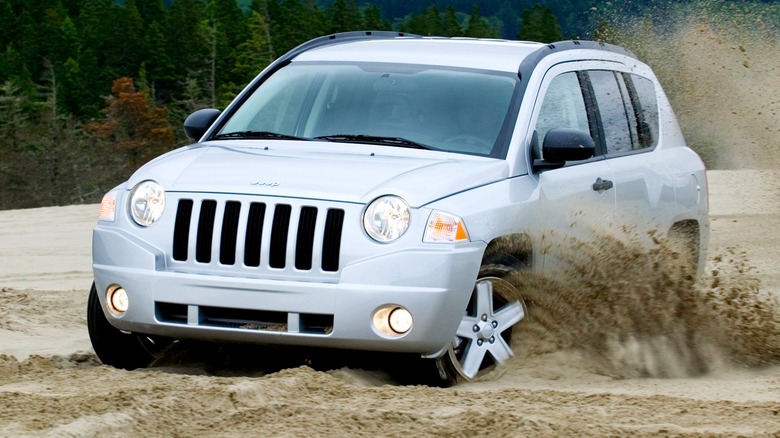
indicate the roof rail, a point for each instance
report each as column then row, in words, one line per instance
column 560, row 46
column 342, row 37
column 528, row 64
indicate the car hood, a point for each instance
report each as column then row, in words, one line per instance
column 314, row 170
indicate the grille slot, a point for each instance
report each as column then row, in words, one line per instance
column 227, row 250
column 305, row 242
column 279, row 232
column 181, row 230
column 221, row 227
column 208, row 210
column 331, row 241
column 254, row 234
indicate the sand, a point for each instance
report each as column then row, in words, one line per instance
column 51, row 383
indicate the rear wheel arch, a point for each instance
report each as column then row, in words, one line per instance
column 687, row 233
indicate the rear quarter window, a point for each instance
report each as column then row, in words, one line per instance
column 644, row 100
column 628, row 110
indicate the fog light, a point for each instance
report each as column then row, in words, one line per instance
column 393, row 320
column 117, row 300
column 400, row 320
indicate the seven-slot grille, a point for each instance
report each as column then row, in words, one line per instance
column 248, row 239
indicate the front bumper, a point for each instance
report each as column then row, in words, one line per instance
column 434, row 282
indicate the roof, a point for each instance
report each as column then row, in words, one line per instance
column 499, row 55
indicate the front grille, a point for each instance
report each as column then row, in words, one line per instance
column 239, row 233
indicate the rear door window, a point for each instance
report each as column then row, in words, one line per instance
column 620, row 132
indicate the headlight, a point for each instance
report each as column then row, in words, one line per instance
column 147, row 202
column 107, row 210
column 445, row 227
column 386, row 219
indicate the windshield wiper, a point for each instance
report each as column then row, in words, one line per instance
column 372, row 139
column 257, row 135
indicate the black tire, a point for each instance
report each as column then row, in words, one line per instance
column 113, row 346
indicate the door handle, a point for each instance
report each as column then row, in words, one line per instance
column 602, row 184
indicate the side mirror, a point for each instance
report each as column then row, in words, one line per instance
column 563, row 144
column 199, row 122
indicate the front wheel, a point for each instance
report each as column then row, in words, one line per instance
column 483, row 338
column 115, row 347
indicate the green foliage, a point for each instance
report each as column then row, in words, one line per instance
column 59, row 58
column 479, row 27
column 539, row 24
column 426, row 23
column 434, row 23
column 372, row 19
column 345, row 16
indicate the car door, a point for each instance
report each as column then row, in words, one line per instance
column 578, row 197
column 628, row 116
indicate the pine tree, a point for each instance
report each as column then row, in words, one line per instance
column 229, row 27
column 254, row 54
column 345, row 16
column 8, row 23
column 12, row 107
column 157, row 62
column 539, row 24
column 372, row 19
column 185, row 45
column 293, row 22
column 427, row 23
column 450, row 26
column 478, row 26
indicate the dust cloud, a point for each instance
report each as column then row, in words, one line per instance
column 718, row 63
column 637, row 312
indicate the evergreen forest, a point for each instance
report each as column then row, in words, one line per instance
column 92, row 89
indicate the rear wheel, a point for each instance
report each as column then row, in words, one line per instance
column 115, row 347
column 483, row 338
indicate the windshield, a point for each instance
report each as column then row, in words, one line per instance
column 432, row 107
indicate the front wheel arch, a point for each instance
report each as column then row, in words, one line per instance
column 113, row 346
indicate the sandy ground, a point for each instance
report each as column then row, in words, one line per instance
column 51, row 384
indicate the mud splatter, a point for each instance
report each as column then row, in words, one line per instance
column 640, row 312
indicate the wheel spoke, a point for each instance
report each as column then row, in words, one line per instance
column 484, row 304
column 472, row 360
column 500, row 350
column 509, row 315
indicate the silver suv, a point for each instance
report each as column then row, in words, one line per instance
column 359, row 194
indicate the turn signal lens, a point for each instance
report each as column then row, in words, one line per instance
column 444, row 227
column 107, row 210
